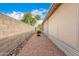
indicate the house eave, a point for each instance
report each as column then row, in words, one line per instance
column 53, row 8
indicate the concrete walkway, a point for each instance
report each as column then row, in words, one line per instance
column 40, row 46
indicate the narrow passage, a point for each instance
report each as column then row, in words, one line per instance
column 40, row 46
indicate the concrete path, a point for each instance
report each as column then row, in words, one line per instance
column 40, row 46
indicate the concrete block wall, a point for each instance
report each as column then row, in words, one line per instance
column 12, row 33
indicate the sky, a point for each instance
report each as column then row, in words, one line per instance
column 17, row 10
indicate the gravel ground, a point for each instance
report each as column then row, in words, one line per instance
column 40, row 46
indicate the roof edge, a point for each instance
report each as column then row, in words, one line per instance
column 53, row 8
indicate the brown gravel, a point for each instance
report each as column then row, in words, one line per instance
column 40, row 46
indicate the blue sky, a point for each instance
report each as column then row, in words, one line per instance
column 17, row 10
column 22, row 7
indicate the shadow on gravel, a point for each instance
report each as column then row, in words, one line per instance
column 19, row 47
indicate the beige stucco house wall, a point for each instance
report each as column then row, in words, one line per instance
column 64, row 24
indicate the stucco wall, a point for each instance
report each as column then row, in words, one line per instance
column 10, row 26
column 46, row 26
column 12, row 33
column 64, row 24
